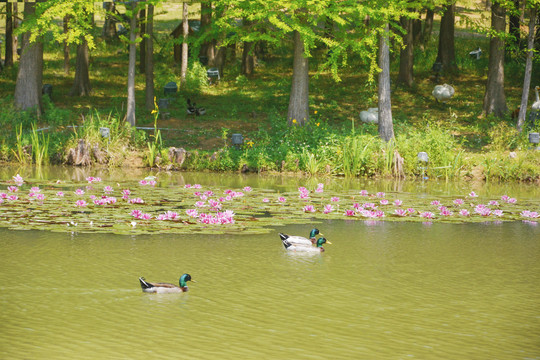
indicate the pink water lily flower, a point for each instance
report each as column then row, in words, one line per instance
column 136, row 201
column 464, row 212
column 458, row 202
column 363, row 193
column 265, row 200
column 60, row 194
column 473, row 194
column 529, row 214
column 13, row 197
column 349, row 213
column 436, row 203
column 108, row 189
column 200, row 204
column 247, row 189
column 411, row 210
column 334, row 199
column 192, row 213
column 498, row 213
column 197, row 186
column 401, row 212
column 35, row 189
column 18, row 180
column 445, row 212
column 320, row 188
column 12, row 189
column 40, row 197
column 493, row 203
column 81, row 203
column 381, row 194
column 79, row 192
column 384, row 202
column 427, row 215
column 398, row 202
column 281, row 199
column 328, row 209
column 309, row 208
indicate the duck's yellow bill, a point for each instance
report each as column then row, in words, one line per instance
column 328, row 242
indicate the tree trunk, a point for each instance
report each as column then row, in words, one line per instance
column 208, row 49
column 149, row 71
column 248, row 61
column 406, row 63
column 386, row 127
column 514, row 24
column 528, row 72
column 185, row 33
column 29, row 78
column 81, row 85
column 447, row 52
column 142, row 46
column 15, row 18
column 428, row 27
column 66, row 45
column 9, row 35
column 299, row 100
column 109, row 26
column 494, row 99
column 130, row 115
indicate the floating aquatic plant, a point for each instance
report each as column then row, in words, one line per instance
column 168, row 208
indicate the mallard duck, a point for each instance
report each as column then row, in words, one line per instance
column 162, row 288
column 443, row 93
column 303, row 248
column 193, row 109
column 302, row 241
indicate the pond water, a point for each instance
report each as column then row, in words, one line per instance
column 381, row 290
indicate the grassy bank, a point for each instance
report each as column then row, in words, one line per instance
column 460, row 142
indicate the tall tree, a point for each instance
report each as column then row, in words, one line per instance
column 386, row 127
column 130, row 115
column 494, row 98
column 528, row 69
column 447, row 52
column 406, row 58
column 208, row 47
column 185, row 33
column 9, row 35
column 66, row 45
column 298, row 112
column 109, row 25
column 149, row 62
column 81, row 84
column 29, row 78
column 248, row 60
column 142, row 45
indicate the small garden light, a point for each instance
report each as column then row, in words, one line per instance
column 534, row 139
column 105, row 132
column 237, row 140
column 423, row 160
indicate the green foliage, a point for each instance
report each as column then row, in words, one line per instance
column 196, row 79
column 40, row 146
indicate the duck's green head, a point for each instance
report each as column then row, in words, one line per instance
column 322, row 241
column 183, row 279
column 314, row 233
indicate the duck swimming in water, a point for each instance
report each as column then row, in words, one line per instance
column 164, row 288
column 299, row 240
column 303, row 248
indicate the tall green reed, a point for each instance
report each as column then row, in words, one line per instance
column 40, row 146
